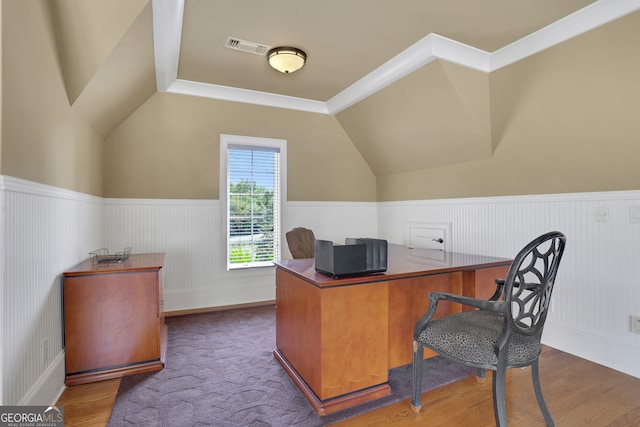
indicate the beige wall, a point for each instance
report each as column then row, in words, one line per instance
column 437, row 115
column 87, row 33
column 564, row 120
column 170, row 148
column 43, row 139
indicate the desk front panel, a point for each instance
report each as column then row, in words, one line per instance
column 354, row 338
column 335, row 338
column 409, row 301
column 298, row 326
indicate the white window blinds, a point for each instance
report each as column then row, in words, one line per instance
column 253, row 205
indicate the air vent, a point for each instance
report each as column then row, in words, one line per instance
column 245, row 46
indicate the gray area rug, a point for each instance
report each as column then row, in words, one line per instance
column 220, row 371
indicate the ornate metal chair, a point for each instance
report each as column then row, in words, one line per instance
column 301, row 242
column 500, row 333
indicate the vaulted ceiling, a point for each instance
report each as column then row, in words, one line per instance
column 380, row 67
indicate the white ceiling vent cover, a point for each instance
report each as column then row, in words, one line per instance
column 245, row 46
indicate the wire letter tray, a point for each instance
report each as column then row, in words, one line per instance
column 102, row 255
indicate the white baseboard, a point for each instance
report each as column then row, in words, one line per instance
column 206, row 298
column 49, row 387
column 599, row 349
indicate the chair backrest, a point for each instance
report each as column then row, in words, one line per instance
column 301, row 242
column 529, row 283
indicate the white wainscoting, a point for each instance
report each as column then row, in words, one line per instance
column 598, row 285
column 191, row 232
column 333, row 221
column 44, row 231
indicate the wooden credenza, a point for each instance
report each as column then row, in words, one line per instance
column 113, row 319
column 338, row 338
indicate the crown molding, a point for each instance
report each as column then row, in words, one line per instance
column 428, row 49
column 167, row 31
column 226, row 93
column 167, row 36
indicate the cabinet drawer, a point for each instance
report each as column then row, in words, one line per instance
column 111, row 320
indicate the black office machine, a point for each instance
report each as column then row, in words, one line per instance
column 357, row 256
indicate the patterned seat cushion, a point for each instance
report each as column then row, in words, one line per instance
column 470, row 337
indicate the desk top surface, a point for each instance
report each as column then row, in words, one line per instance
column 402, row 262
column 136, row 262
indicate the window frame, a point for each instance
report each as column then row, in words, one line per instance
column 227, row 140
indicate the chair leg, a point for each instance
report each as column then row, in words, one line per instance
column 499, row 395
column 481, row 375
column 535, row 375
column 417, row 362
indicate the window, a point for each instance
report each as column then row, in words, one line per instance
column 252, row 188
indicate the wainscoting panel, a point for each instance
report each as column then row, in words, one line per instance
column 332, row 221
column 44, row 231
column 191, row 232
column 598, row 284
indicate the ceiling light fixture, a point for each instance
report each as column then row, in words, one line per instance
column 286, row 59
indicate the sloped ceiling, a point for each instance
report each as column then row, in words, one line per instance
column 408, row 80
column 443, row 119
column 106, row 56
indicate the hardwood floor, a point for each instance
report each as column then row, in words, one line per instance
column 89, row 405
column 578, row 393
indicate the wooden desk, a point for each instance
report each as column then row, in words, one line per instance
column 113, row 319
column 337, row 338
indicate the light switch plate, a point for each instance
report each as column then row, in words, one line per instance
column 634, row 214
column 635, row 324
column 601, row 214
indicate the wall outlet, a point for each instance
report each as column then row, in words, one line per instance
column 44, row 351
column 635, row 324
column 634, row 214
